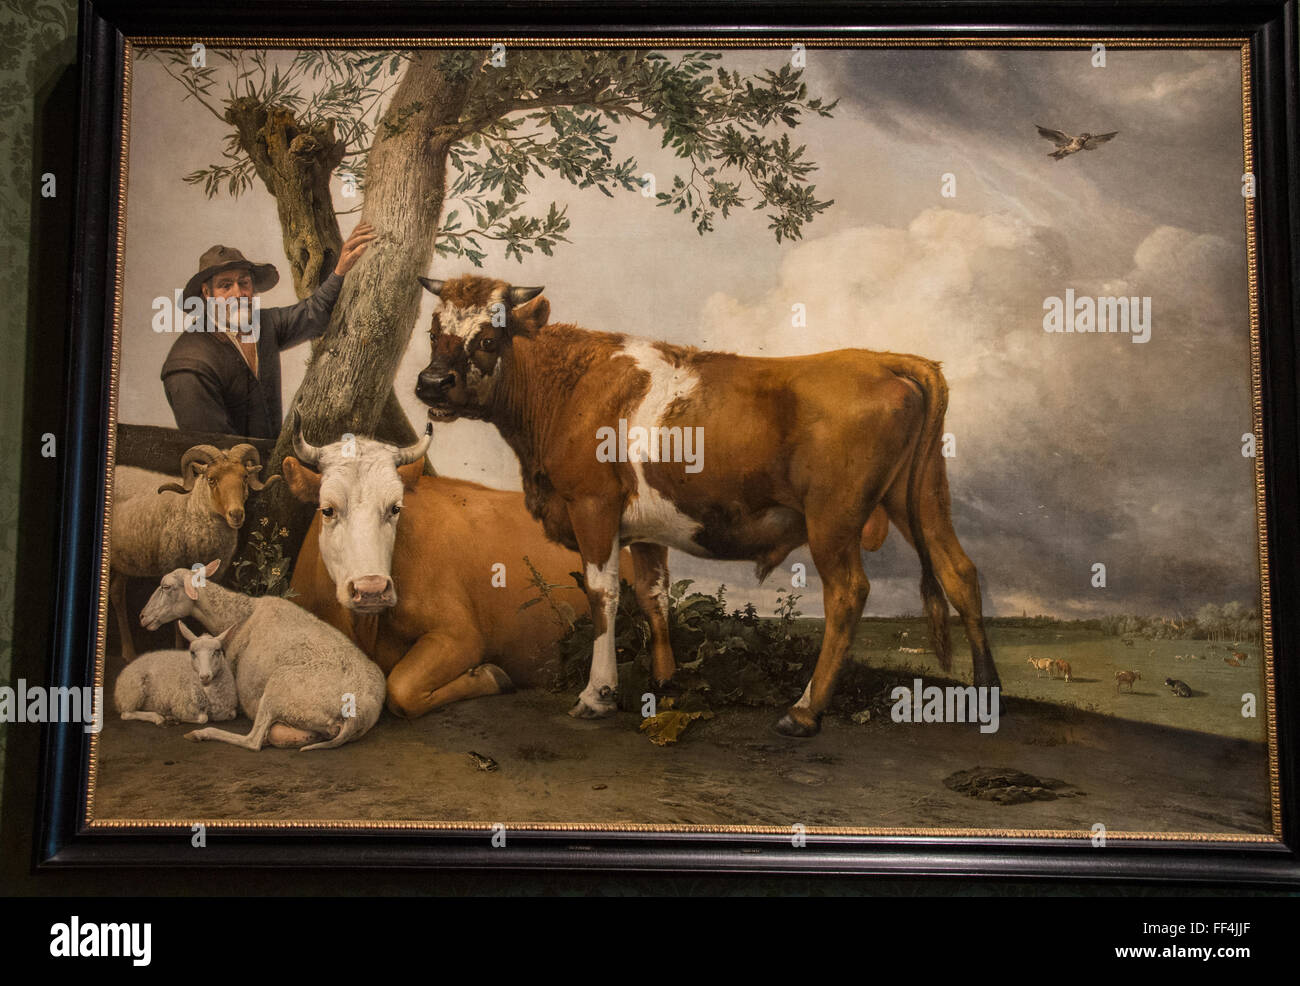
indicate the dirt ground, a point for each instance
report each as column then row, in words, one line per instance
column 731, row 770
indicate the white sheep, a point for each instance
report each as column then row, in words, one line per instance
column 159, row 529
column 195, row 685
column 299, row 680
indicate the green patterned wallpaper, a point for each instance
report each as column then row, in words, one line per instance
column 37, row 44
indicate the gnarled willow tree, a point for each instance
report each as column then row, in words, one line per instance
column 441, row 145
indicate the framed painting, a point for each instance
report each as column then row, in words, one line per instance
column 860, row 441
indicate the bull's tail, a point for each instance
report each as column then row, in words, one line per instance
column 923, row 482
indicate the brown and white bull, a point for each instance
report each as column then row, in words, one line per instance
column 403, row 563
column 800, row 450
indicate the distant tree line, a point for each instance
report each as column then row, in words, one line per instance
column 1229, row 622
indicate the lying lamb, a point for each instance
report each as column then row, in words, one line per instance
column 299, row 680
column 196, row 685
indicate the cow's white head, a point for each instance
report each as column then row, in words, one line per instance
column 470, row 336
column 357, row 484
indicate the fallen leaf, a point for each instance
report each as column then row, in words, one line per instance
column 668, row 726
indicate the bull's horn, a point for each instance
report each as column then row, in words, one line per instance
column 432, row 286
column 519, row 295
column 409, row 454
column 203, row 455
column 307, row 453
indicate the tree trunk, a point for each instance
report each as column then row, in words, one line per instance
column 295, row 164
column 349, row 382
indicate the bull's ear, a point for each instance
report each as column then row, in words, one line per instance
column 527, row 318
column 302, row 482
column 411, row 473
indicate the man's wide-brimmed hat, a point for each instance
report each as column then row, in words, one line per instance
column 220, row 258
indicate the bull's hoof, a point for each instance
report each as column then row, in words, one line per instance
column 193, row 736
column 788, row 725
column 502, row 680
column 584, row 711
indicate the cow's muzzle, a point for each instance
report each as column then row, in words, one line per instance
column 371, row 593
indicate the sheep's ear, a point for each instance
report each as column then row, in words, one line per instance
column 211, row 568
column 224, row 636
column 303, row 483
column 190, row 591
column 411, row 473
column 186, row 632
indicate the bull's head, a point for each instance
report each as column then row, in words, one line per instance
column 228, row 477
column 471, row 336
column 357, row 485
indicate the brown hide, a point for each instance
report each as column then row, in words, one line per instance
column 450, row 535
column 789, row 429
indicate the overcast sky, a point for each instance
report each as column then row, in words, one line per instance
column 1070, row 449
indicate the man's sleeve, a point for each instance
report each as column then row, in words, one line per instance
column 307, row 319
column 195, row 397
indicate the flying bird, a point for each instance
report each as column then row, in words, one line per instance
column 1067, row 145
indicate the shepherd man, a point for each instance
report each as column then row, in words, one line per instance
column 222, row 377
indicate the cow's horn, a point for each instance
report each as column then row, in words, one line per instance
column 307, row 453
column 519, row 295
column 203, row 455
column 432, row 286
column 406, row 456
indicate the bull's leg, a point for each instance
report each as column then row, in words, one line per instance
column 288, row 737
column 117, row 599
column 834, row 541
column 955, row 571
column 444, row 666
column 651, row 561
column 595, row 524
column 960, row 581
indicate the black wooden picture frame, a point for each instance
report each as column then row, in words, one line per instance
column 64, row 841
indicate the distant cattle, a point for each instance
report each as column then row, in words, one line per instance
column 1125, row 678
column 1062, row 668
column 1043, row 665
column 823, row 450
column 1179, row 688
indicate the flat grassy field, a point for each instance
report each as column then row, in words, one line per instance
column 1215, row 705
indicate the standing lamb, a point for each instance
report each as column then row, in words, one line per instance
column 299, row 680
column 181, row 523
column 196, row 685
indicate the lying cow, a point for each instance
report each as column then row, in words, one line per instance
column 800, row 451
column 403, row 563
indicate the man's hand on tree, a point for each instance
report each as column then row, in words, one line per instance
column 354, row 246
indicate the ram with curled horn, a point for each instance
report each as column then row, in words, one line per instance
column 181, row 524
